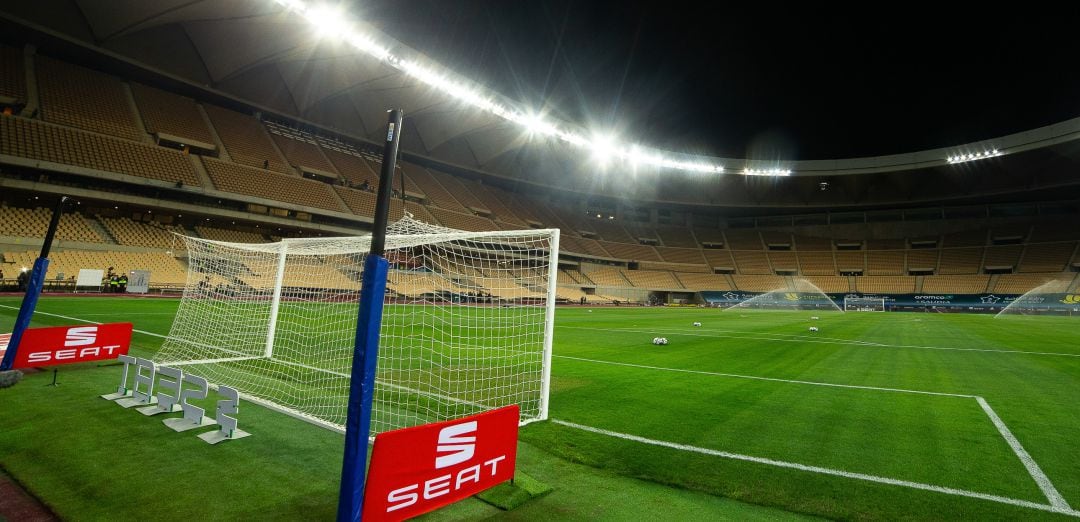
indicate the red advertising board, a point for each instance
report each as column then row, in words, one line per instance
column 415, row 470
column 72, row 344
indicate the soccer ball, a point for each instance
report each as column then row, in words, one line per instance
column 813, row 318
column 697, row 323
column 813, row 328
column 659, row 340
column 590, row 311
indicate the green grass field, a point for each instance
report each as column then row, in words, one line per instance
column 876, row 416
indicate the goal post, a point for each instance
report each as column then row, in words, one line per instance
column 466, row 324
column 864, row 304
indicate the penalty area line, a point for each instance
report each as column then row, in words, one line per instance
column 1064, row 510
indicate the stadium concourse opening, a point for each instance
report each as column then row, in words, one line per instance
column 667, row 279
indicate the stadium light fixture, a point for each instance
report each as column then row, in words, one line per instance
column 963, row 158
column 767, row 172
column 331, row 22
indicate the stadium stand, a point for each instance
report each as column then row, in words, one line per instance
column 740, row 239
column 689, row 256
column 884, row 262
column 831, row 284
column 923, row 259
column 232, row 236
column 718, row 258
column 271, row 186
column 86, row 99
column 360, row 202
column 1046, row 257
column 957, row 284
column 611, row 232
column 751, row 262
column 652, row 279
column 463, row 191
column 783, row 260
column 680, row 237
column 460, row 221
column 962, row 239
column 245, row 139
column 713, row 236
column 608, row 277
column 700, row 282
column 816, row 262
column 432, row 189
column 355, row 169
column 759, row 283
column 492, row 198
column 960, row 260
column 128, row 232
column 302, row 154
column 1021, row 283
column 850, row 260
column 812, row 243
column 24, row 222
column 1002, row 256
column 12, row 74
column 171, row 114
column 632, row 252
column 42, row 141
column 885, row 284
column 164, row 269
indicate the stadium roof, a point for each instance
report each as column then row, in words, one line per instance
column 759, row 90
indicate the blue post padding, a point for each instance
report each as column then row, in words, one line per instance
column 366, row 355
column 26, row 311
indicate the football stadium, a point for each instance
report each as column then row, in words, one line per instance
column 307, row 260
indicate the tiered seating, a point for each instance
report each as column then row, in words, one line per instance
column 1047, row 257
column 752, row 262
column 738, row 239
column 703, row 281
column 232, row 236
column 302, row 154
column 493, row 199
column 164, row 268
column 676, row 237
column 24, row 222
column 1002, row 256
column 808, row 243
column 78, row 97
column 45, row 142
column 436, row 194
column 582, row 245
column 631, row 252
column 652, row 279
column 546, row 216
column 245, row 139
column 885, row 262
column 759, row 283
column 850, row 260
column 576, row 276
column 418, row 211
column 770, row 237
column 462, row 190
column 962, row 239
column 1022, row 283
column 710, row 235
column 354, row 169
column 165, row 112
column 719, row 258
column 524, row 208
column 923, row 258
column 611, row 231
column 360, row 202
column 816, row 262
column 689, row 256
column 12, row 75
column 1047, row 232
column 783, row 260
column 470, row 222
column 885, row 284
column 608, row 277
column 960, row 260
column 272, row 186
column 639, row 233
column 830, row 284
column 958, row 284
column 1010, row 232
column 886, row 244
column 156, row 235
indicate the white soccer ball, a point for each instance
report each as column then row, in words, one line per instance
column 813, row 318
column 813, row 328
column 697, row 323
column 590, row 311
column 659, row 340
column 663, row 340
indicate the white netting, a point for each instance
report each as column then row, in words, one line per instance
column 465, row 326
column 864, row 304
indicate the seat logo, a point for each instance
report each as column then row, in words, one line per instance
column 81, row 336
column 455, row 446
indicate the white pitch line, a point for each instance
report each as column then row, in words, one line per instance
column 152, row 334
column 773, row 379
column 1064, row 510
column 828, row 340
column 1041, row 479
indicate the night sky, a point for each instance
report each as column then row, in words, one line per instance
column 766, row 82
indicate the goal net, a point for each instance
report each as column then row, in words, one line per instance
column 864, row 304
column 466, row 327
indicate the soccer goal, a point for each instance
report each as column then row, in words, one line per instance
column 864, row 304
column 466, row 327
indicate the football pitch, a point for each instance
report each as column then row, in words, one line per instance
column 749, row 416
